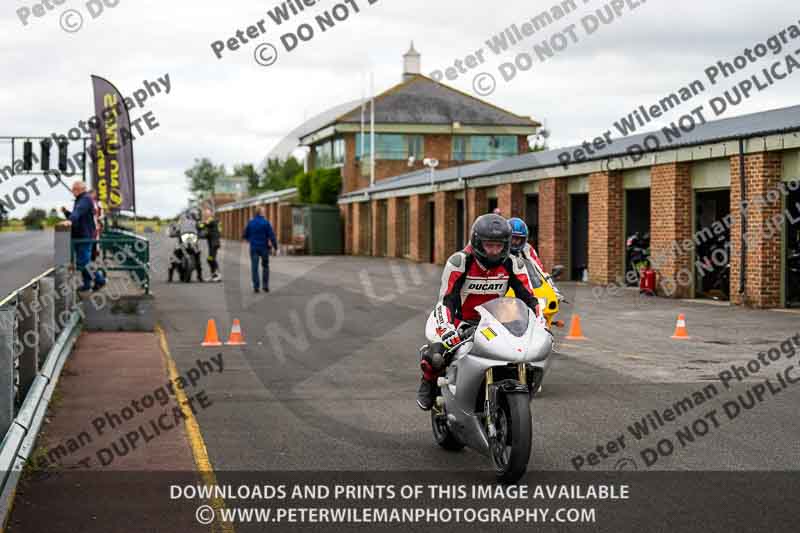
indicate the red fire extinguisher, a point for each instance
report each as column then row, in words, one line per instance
column 647, row 281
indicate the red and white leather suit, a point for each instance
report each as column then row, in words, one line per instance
column 467, row 284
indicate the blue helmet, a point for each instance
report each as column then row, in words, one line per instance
column 518, row 229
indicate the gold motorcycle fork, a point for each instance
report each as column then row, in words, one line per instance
column 523, row 373
column 489, row 382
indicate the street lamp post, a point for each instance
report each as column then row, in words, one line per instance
column 431, row 164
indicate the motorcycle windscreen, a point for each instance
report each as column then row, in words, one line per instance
column 533, row 275
column 512, row 313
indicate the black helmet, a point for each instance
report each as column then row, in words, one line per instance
column 490, row 227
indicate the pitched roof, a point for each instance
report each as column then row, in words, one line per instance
column 422, row 100
column 285, row 147
column 775, row 121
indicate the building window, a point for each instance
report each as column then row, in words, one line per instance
column 338, row 152
column 298, row 223
column 329, row 154
column 415, row 146
column 484, row 147
column 323, row 157
column 392, row 146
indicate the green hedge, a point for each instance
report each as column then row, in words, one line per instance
column 321, row 186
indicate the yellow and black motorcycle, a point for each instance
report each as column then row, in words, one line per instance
column 544, row 290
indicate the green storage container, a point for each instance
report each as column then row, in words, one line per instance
column 322, row 228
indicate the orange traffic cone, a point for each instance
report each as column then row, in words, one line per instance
column 575, row 332
column 680, row 329
column 212, row 339
column 236, row 338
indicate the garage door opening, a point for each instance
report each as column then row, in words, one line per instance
column 532, row 218
column 384, row 218
column 460, row 243
column 712, row 244
column 579, row 235
column 431, row 232
column 792, row 286
column 405, row 224
column 637, row 233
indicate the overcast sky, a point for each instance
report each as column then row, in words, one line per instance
column 234, row 110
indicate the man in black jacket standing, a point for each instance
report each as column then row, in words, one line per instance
column 81, row 220
column 210, row 228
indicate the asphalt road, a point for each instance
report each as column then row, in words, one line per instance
column 23, row 255
column 323, row 393
column 328, row 377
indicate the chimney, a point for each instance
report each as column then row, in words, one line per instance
column 412, row 64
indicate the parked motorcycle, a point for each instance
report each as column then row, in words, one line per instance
column 185, row 254
column 637, row 249
column 793, row 276
column 716, row 272
column 484, row 400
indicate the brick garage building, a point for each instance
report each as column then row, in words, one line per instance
column 689, row 196
column 278, row 205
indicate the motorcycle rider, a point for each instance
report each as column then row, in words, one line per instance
column 481, row 272
column 211, row 229
column 188, row 224
column 519, row 242
column 520, row 247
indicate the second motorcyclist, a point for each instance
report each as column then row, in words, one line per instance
column 520, row 247
column 481, row 272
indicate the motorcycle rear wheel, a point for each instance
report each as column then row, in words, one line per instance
column 511, row 450
column 442, row 434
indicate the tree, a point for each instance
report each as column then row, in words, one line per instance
column 325, row 186
column 35, row 218
column 203, row 175
column 303, row 183
column 52, row 218
column 321, row 186
column 280, row 174
column 248, row 171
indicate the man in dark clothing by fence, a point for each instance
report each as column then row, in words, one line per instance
column 262, row 241
column 81, row 220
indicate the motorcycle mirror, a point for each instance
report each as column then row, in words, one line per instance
column 557, row 271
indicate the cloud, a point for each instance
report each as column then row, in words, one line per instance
column 234, row 111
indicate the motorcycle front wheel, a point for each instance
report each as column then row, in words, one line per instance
column 186, row 270
column 511, row 449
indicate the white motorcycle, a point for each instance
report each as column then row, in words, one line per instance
column 485, row 395
column 185, row 255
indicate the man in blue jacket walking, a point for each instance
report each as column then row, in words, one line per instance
column 262, row 241
column 81, row 220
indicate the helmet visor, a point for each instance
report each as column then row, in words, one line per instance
column 493, row 249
